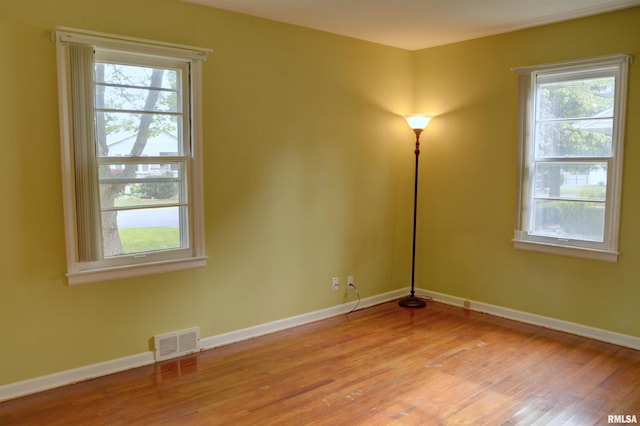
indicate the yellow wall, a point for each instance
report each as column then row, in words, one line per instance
column 308, row 174
column 470, row 178
column 303, row 153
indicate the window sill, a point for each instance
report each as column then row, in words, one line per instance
column 584, row 253
column 108, row 274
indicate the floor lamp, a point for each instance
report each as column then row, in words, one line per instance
column 418, row 123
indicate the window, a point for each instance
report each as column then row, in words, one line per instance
column 571, row 125
column 131, row 151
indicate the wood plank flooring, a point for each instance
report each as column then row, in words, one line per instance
column 383, row 365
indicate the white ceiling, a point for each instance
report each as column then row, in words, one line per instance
column 417, row 24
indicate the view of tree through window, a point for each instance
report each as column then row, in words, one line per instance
column 139, row 136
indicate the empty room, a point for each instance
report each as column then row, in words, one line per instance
column 311, row 212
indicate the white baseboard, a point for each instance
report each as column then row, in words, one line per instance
column 38, row 384
column 272, row 327
column 67, row 377
column 539, row 320
column 51, row 381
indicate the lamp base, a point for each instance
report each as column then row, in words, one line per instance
column 412, row 302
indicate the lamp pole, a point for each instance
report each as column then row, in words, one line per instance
column 417, row 123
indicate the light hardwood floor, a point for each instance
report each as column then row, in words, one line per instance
column 383, row 365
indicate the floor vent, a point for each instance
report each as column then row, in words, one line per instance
column 178, row 343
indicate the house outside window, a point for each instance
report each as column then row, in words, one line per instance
column 131, row 150
column 571, row 133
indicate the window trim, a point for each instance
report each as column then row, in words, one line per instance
column 87, row 272
column 607, row 250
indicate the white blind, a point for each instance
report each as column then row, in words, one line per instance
column 81, row 68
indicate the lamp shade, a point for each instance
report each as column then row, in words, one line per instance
column 417, row 121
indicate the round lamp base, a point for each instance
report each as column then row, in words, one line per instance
column 412, row 302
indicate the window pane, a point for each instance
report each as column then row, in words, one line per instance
column 140, row 194
column 117, row 134
column 142, row 230
column 571, row 180
column 141, row 184
column 576, row 99
column 128, row 98
column 569, row 219
column 132, row 75
column 111, row 170
column 582, row 138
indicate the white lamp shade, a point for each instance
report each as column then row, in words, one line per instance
column 418, row 121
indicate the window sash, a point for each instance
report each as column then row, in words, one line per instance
column 533, row 219
column 183, row 101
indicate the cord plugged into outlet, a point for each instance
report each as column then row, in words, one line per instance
column 351, row 286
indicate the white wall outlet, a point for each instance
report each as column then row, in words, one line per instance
column 335, row 283
column 350, row 282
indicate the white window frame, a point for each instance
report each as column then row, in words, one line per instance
column 193, row 256
column 607, row 250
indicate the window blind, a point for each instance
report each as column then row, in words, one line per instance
column 81, row 69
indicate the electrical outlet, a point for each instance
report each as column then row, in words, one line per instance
column 335, row 284
column 350, row 282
